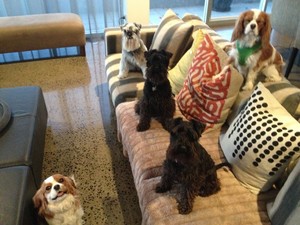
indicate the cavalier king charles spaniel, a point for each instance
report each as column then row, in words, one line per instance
column 58, row 202
column 252, row 52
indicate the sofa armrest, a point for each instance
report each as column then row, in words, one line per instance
column 113, row 38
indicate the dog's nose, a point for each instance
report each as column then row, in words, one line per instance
column 129, row 33
column 56, row 187
column 252, row 26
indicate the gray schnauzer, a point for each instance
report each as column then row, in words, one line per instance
column 133, row 49
column 187, row 165
column 157, row 100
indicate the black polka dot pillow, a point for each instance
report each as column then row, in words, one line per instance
column 261, row 141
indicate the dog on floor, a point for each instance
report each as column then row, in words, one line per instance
column 187, row 165
column 133, row 49
column 157, row 100
column 251, row 52
column 57, row 201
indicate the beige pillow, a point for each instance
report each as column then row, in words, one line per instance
column 178, row 74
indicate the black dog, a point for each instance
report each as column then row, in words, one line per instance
column 157, row 101
column 187, row 164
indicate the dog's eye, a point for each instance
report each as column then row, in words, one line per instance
column 48, row 188
column 61, row 180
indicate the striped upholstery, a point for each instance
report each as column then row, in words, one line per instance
column 131, row 88
column 172, row 35
column 199, row 24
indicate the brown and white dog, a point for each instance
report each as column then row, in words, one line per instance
column 57, row 201
column 252, row 51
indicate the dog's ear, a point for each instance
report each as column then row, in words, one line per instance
column 166, row 53
column 266, row 31
column 198, row 127
column 238, row 29
column 139, row 26
column 171, row 123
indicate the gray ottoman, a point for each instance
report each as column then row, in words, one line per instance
column 23, row 139
column 16, row 190
column 22, row 143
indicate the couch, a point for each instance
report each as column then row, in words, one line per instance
column 258, row 189
column 22, row 139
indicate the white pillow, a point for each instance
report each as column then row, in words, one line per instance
column 261, row 141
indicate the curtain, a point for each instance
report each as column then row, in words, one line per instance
column 95, row 14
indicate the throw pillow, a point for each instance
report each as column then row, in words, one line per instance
column 285, row 93
column 210, row 88
column 172, row 35
column 261, row 141
column 178, row 74
column 200, row 25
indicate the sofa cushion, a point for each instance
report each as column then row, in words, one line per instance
column 178, row 74
column 198, row 24
column 172, row 35
column 261, row 141
column 16, row 192
column 211, row 87
column 146, row 151
column 22, row 141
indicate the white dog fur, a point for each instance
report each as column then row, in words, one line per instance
column 133, row 49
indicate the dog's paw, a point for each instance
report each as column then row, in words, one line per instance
column 142, row 127
column 122, row 75
column 184, row 209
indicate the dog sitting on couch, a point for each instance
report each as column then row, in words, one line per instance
column 133, row 49
column 157, row 100
column 187, row 165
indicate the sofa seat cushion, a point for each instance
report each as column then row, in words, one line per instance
column 125, row 89
column 234, row 204
column 22, row 141
column 16, row 192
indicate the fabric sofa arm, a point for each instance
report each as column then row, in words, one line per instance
column 113, row 38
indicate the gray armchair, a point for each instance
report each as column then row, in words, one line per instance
column 286, row 28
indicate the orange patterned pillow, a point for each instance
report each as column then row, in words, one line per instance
column 211, row 87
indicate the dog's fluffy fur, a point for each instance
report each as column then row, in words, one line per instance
column 187, row 164
column 157, row 100
column 133, row 49
column 57, row 201
column 252, row 51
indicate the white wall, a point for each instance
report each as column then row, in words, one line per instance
column 137, row 11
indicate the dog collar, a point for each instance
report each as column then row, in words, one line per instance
column 245, row 52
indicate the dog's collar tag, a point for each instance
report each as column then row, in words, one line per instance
column 245, row 52
column 154, row 88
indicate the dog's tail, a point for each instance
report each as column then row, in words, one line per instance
column 220, row 165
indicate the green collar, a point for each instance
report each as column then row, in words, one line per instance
column 245, row 52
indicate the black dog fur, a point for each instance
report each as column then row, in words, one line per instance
column 187, row 164
column 157, row 101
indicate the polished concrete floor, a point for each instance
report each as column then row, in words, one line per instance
column 81, row 134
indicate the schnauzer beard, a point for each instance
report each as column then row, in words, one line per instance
column 131, row 44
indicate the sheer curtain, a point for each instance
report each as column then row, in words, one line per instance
column 95, row 14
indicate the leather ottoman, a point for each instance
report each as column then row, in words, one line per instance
column 22, row 143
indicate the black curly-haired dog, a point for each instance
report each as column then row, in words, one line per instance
column 157, row 101
column 187, row 165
